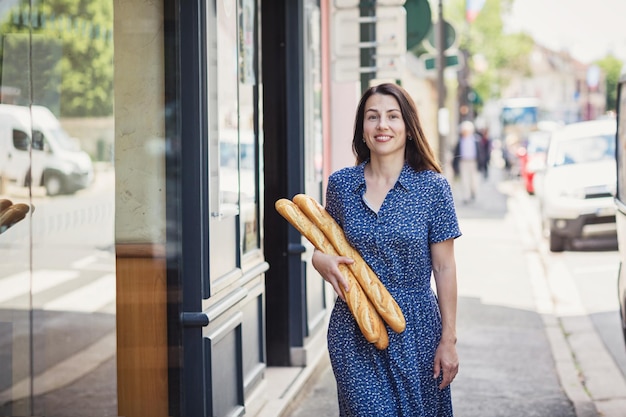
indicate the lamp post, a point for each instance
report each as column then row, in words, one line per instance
column 441, row 87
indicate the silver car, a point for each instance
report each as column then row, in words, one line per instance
column 579, row 182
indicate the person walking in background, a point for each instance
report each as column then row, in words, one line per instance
column 467, row 153
column 396, row 209
column 484, row 151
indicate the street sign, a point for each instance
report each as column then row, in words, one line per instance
column 418, row 22
column 451, row 60
column 449, row 38
column 390, row 31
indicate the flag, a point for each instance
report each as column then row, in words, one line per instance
column 472, row 8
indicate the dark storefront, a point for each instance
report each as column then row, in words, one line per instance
column 166, row 284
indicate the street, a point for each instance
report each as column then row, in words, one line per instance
column 538, row 332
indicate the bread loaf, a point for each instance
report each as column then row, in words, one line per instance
column 12, row 215
column 364, row 313
column 371, row 284
column 4, row 204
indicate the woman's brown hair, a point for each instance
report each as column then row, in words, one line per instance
column 418, row 152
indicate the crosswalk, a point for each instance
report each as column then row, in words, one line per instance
column 86, row 299
column 87, row 288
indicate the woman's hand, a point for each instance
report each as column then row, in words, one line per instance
column 446, row 361
column 328, row 267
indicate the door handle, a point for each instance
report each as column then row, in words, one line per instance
column 295, row 248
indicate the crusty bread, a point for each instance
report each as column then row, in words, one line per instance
column 4, row 204
column 371, row 284
column 12, row 215
column 365, row 315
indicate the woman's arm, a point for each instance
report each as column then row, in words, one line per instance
column 444, row 271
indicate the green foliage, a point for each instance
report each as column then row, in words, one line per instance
column 611, row 67
column 59, row 53
column 504, row 54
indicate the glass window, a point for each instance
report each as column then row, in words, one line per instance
column 233, row 141
column 38, row 140
column 621, row 145
column 57, row 274
column 248, row 158
column 584, row 150
column 20, row 140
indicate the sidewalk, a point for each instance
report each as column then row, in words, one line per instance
column 515, row 359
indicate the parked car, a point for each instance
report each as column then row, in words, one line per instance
column 620, row 198
column 579, row 183
column 34, row 149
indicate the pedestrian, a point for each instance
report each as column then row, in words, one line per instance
column 484, row 152
column 396, row 208
column 467, row 154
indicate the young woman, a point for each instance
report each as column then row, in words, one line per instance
column 396, row 209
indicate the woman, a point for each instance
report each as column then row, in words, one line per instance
column 396, row 209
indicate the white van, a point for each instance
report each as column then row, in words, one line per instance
column 35, row 134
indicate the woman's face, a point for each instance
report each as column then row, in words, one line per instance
column 383, row 127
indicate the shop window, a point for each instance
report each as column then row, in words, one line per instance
column 233, row 143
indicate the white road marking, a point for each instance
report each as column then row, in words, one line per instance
column 19, row 284
column 88, row 298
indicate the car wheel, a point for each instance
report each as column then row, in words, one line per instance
column 53, row 184
column 557, row 243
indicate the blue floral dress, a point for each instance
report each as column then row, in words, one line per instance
column 395, row 242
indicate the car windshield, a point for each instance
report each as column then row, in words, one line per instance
column 63, row 139
column 585, row 149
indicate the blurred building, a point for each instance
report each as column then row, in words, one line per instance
column 569, row 91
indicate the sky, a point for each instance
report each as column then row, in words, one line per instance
column 587, row 29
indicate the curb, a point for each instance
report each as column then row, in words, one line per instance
column 569, row 370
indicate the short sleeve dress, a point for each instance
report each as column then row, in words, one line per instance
column 418, row 211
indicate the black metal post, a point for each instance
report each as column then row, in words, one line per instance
column 441, row 87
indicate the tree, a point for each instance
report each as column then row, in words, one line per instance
column 500, row 54
column 59, row 53
column 611, row 67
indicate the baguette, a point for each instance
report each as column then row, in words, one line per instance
column 12, row 215
column 4, row 204
column 382, row 300
column 364, row 313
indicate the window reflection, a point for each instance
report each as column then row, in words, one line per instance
column 621, row 147
column 232, row 120
column 57, row 276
